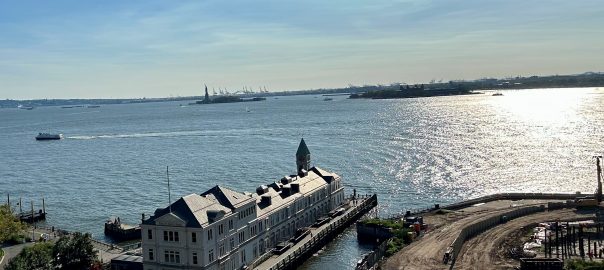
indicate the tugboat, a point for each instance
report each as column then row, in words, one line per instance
column 48, row 136
column 114, row 228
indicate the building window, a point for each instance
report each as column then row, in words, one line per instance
column 151, row 254
column 211, row 255
column 220, row 229
column 243, row 256
column 230, row 224
column 241, row 237
column 171, row 236
column 149, row 234
column 194, row 257
column 194, row 237
column 221, row 250
column 172, row 256
column 210, row 234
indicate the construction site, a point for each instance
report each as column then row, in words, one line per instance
column 504, row 231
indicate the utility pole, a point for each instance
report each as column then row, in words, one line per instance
column 599, row 175
column 169, row 196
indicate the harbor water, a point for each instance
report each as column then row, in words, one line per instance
column 412, row 152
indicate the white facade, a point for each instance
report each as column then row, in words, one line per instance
column 225, row 230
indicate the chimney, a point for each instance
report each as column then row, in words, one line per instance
column 286, row 191
column 266, row 199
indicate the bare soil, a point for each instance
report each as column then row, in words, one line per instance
column 485, row 251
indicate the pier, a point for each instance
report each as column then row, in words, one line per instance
column 319, row 236
column 29, row 216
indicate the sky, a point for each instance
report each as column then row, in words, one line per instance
column 132, row 49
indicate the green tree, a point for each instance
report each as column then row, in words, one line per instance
column 10, row 226
column 74, row 252
column 36, row 257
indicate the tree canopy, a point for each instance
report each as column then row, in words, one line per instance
column 36, row 257
column 10, row 226
column 74, row 252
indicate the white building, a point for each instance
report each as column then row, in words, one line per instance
column 224, row 230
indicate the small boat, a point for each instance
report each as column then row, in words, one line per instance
column 94, row 106
column 497, row 94
column 48, row 136
column 115, row 229
column 327, row 99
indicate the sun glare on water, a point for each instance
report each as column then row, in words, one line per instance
column 545, row 107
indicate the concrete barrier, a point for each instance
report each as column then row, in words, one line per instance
column 514, row 196
column 485, row 224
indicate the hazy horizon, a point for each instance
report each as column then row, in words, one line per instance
column 115, row 49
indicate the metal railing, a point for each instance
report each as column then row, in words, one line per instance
column 325, row 234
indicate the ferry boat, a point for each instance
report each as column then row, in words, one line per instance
column 48, row 136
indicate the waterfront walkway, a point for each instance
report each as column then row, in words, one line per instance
column 316, row 236
column 105, row 251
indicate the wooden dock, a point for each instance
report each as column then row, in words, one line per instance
column 29, row 216
column 32, row 217
column 319, row 237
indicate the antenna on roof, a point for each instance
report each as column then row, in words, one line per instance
column 169, row 197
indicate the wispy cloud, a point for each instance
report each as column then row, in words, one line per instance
column 157, row 48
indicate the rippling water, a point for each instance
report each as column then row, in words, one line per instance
column 412, row 152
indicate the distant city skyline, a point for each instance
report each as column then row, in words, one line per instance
column 129, row 49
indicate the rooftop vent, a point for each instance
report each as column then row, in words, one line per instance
column 276, row 186
column 286, row 191
column 214, row 215
column 303, row 173
column 295, row 188
column 262, row 189
column 266, row 199
column 286, row 180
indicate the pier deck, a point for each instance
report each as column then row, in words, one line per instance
column 319, row 236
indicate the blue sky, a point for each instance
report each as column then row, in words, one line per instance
column 118, row 49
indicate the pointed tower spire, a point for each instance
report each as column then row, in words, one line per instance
column 303, row 157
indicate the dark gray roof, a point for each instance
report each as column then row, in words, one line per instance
column 227, row 197
column 193, row 209
column 302, row 149
column 128, row 258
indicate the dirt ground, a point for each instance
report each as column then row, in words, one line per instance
column 481, row 252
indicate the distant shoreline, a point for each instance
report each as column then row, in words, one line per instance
column 588, row 79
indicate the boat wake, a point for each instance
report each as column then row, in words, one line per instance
column 141, row 135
